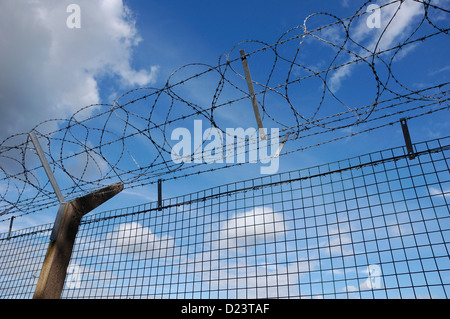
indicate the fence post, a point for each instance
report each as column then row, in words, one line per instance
column 159, row 194
column 10, row 227
column 54, row 270
column 407, row 137
column 251, row 91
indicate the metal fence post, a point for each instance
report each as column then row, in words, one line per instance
column 10, row 227
column 252, row 95
column 407, row 137
column 52, row 179
column 159, row 194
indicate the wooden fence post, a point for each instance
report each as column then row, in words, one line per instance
column 54, row 270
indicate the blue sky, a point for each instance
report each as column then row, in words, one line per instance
column 53, row 71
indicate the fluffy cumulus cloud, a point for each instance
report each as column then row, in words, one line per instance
column 244, row 230
column 49, row 70
column 139, row 241
column 255, row 273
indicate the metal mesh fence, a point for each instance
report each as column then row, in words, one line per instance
column 373, row 226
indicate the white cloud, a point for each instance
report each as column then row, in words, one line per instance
column 439, row 70
column 396, row 20
column 139, row 242
column 254, row 274
column 339, row 241
column 436, row 192
column 350, row 288
column 396, row 24
column 50, row 71
column 244, row 230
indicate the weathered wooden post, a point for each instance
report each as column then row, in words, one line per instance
column 57, row 259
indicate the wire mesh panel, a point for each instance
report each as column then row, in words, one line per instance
column 21, row 256
column 373, row 226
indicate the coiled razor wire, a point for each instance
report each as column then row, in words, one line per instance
column 130, row 139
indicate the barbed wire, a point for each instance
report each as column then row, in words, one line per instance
column 130, row 140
